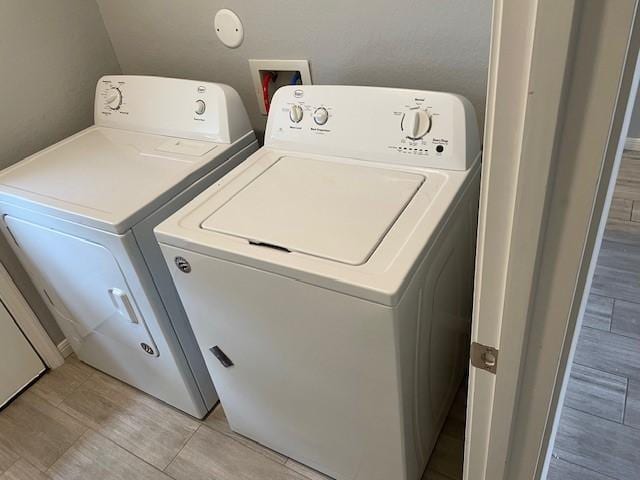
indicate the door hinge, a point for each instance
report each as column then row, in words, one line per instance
column 484, row 357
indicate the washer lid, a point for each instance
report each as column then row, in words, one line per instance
column 332, row 210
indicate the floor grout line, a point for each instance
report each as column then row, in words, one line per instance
column 12, row 464
column 591, row 414
column 90, row 428
column 626, row 396
column 129, row 451
column 67, row 449
column 617, row 374
column 86, row 428
column 613, row 333
column 50, row 371
column 628, row 379
column 613, row 309
column 93, row 372
column 623, row 300
column 46, row 472
column 231, row 437
column 181, row 449
column 616, row 242
column 587, row 468
column 597, row 369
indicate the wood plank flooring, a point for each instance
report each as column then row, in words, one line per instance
column 599, row 432
column 447, row 457
column 77, row 423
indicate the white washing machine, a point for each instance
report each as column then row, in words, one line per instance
column 328, row 279
column 80, row 216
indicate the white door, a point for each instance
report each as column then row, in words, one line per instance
column 85, row 287
column 561, row 75
column 19, row 363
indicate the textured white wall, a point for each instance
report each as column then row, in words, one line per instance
column 52, row 53
column 424, row 44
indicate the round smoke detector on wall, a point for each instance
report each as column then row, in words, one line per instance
column 229, row 28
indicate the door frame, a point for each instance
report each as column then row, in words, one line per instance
column 561, row 76
column 27, row 321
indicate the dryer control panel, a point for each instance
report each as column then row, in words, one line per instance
column 408, row 127
column 169, row 106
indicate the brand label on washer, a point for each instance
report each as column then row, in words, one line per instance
column 182, row 264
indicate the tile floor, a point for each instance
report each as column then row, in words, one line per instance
column 599, row 433
column 76, row 423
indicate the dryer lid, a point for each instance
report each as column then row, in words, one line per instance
column 322, row 208
column 106, row 177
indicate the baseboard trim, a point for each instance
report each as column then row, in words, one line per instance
column 632, row 144
column 65, row 348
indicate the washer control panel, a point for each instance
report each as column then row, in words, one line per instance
column 410, row 127
column 168, row 106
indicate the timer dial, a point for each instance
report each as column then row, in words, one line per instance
column 415, row 124
column 201, row 107
column 113, row 98
column 295, row 113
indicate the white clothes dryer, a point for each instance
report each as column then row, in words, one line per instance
column 80, row 215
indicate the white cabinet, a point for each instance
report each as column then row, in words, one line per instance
column 19, row 363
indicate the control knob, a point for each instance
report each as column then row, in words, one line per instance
column 415, row 124
column 113, row 98
column 320, row 116
column 201, row 107
column 296, row 113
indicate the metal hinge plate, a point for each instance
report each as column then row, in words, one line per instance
column 484, row 357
